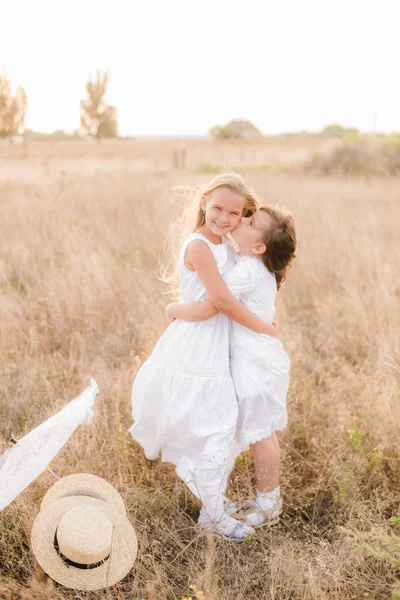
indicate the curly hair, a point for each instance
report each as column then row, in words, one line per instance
column 280, row 241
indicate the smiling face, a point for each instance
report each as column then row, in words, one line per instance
column 223, row 211
column 250, row 232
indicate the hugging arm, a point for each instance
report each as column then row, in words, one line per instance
column 201, row 259
column 191, row 311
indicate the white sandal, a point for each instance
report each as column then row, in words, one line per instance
column 231, row 507
column 255, row 516
column 227, row 527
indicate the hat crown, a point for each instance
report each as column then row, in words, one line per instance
column 84, row 535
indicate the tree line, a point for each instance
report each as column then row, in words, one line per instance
column 98, row 118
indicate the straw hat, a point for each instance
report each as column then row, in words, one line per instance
column 82, row 542
column 84, row 484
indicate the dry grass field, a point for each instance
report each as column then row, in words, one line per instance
column 83, row 229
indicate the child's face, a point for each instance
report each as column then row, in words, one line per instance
column 223, row 211
column 250, row 231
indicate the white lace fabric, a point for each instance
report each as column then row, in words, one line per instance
column 22, row 463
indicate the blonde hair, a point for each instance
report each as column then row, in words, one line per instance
column 193, row 216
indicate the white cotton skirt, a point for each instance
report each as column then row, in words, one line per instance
column 183, row 398
column 260, row 371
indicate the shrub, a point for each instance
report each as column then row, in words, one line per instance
column 356, row 158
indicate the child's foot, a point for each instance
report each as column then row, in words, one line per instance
column 230, row 506
column 226, row 527
column 257, row 517
column 265, row 510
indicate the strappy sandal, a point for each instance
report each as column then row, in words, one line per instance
column 239, row 532
column 231, row 507
column 256, row 517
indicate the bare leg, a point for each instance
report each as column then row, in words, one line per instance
column 267, row 456
column 208, row 482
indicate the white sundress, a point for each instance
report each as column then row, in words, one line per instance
column 183, row 398
column 259, row 364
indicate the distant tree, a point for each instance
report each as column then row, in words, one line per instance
column 221, row 132
column 12, row 108
column 98, row 118
column 235, row 129
column 336, row 130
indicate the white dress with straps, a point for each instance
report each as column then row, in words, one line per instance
column 183, row 398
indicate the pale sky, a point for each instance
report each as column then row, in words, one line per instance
column 181, row 66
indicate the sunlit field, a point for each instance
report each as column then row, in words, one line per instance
column 83, row 232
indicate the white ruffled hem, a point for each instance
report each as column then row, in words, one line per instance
column 169, row 417
column 251, row 438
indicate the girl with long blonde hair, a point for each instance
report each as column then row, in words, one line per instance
column 183, row 398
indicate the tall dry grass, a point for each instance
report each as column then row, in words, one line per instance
column 366, row 157
column 80, row 298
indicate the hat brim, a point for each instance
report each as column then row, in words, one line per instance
column 123, row 549
column 84, row 484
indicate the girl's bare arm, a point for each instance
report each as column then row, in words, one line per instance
column 191, row 311
column 200, row 258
